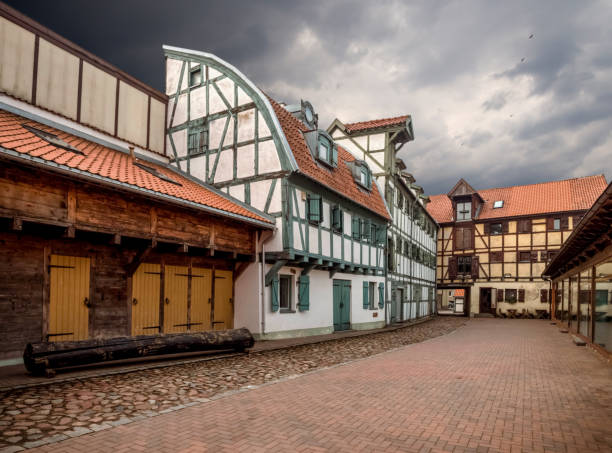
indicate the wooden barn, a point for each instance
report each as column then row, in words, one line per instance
column 99, row 236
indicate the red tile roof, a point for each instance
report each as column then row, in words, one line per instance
column 574, row 194
column 108, row 163
column 374, row 124
column 460, row 293
column 339, row 179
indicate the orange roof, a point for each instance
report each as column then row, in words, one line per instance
column 460, row 293
column 373, row 124
column 112, row 166
column 339, row 179
column 576, row 194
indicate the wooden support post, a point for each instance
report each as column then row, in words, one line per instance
column 139, row 258
column 17, row 224
column 70, row 231
column 273, row 271
column 116, row 239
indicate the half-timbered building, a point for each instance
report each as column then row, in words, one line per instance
column 495, row 243
column 99, row 236
column 323, row 268
column 411, row 239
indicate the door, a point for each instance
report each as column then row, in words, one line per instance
column 145, row 299
column 342, row 305
column 68, row 298
column 486, row 301
column 396, row 311
column 201, row 293
column 223, row 311
column 176, row 281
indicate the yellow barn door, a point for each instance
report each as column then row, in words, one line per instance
column 68, row 298
column 224, row 306
column 145, row 299
column 201, row 292
column 175, row 299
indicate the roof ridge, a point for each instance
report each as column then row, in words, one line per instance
column 378, row 119
column 532, row 184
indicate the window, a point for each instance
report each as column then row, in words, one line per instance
column 524, row 257
column 390, row 254
column 372, row 291
column 556, row 224
column 285, row 287
column 197, row 141
column 195, row 76
column 366, row 230
column 400, row 199
column 524, row 226
column 464, row 210
column 337, row 217
column 496, row 228
column 52, row 139
column 327, row 151
column 314, row 208
column 324, row 151
column 356, row 228
column 497, row 257
column 498, row 204
column 510, row 295
column 464, row 264
column 463, row 238
column 406, row 248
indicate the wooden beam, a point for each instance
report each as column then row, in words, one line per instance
column 183, row 248
column 273, row 271
column 17, row 224
column 306, row 269
column 116, row 239
column 70, row 231
column 139, row 258
column 240, row 268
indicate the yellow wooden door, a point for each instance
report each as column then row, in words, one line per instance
column 68, row 298
column 145, row 299
column 224, row 306
column 175, row 299
column 201, row 292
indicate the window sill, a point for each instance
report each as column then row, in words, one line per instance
column 286, row 310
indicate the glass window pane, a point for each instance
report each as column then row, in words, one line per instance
column 603, row 305
column 557, row 224
column 323, row 151
column 285, row 292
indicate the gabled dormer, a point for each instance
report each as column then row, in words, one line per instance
column 466, row 201
column 322, row 147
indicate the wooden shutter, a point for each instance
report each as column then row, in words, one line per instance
column 504, row 227
column 500, row 295
column 550, row 223
column 304, row 293
column 356, row 233
column 334, row 155
column 487, row 229
column 452, row 267
column 521, row 295
column 564, row 223
column 366, row 293
column 475, row 267
column 314, row 208
column 365, row 229
column 534, row 256
column 543, row 295
column 274, row 294
column 380, row 235
column 381, row 295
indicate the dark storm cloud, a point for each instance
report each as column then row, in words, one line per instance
column 489, row 103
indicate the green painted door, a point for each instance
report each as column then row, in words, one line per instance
column 342, row 305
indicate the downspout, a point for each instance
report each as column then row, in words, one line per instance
column 262, row 283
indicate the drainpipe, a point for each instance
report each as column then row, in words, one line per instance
column 262, row 284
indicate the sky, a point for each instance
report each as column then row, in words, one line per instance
column 500, row 93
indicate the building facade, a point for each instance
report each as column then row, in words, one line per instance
column 495, row 243
column 411, row 240
column 581, row 276
column 322, row 270
column 99, row 236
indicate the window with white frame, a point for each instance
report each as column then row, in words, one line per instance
column 285, row 292
column 464, row 210
column 372, row 293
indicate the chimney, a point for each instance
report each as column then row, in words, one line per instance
column 132, row 155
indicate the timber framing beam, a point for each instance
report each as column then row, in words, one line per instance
column 274, row 271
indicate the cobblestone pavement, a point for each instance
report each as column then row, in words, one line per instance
column 492, row 386
column 33, row 416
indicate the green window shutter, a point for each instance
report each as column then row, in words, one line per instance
column 335, row 155
column 304, row 293
column 314, row 208
column 365, row 229
column 381, row 295
column 337, row 218
column 274, row 294
column 356, row 232
column 366, row 292
column 380, row 235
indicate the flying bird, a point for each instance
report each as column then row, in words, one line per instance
column 531, row 36
column 522, row 59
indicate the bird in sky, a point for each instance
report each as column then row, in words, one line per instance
column 531, row 36
column 522, row 59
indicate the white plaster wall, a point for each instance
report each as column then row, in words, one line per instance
column 313, row 240
column 132, row 123
column 268, row 157
column 197, row 102
column 246, row 125
column 337, row 246
column 197, row 167
column 237, row 191
column 215, row 132
column 58, row 79
column 377, row 141
column 259, row 193
column 173, row 72
column 180, row 143
column 247, row 299
column 325, row 246
column 276, row 243
column 16, row 60
column 245, row 163
column 243, row 98
column 227, row 88
column 157, row 130
column 225, row 166
column 215, row 103
column 298, row 235
column 263, row 130
column 98, row 93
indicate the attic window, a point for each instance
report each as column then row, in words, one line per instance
column 327, row 151
column 361, row 173
column 498, row 204
column 195, row 76
column 156, row 173
column 52, row 139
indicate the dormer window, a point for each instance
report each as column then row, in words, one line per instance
column 361, row 173
column 327, row 150
column 464, row 211
column 364, row 177
column 195, row 76
column 498, row 204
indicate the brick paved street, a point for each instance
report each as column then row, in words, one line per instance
column 34, row 415
column 493, row 385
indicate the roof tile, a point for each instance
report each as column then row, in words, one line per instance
column 374, row 124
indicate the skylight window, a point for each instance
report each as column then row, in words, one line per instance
column 195, row 76
column 156, row 173
column 498, row 204
column 52, row 139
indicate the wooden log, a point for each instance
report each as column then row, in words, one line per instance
column 39, row 358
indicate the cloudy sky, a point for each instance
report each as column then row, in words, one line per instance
column 489, row 103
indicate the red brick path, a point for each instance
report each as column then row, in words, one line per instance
column 494, row 385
